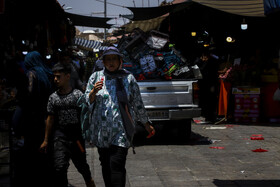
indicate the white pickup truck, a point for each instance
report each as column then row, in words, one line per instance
column 166, row 97
column 175, row 102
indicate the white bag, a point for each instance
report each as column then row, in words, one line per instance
column 276, row 96
column 156, row 42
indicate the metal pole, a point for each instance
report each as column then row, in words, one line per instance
column 134, row 3
column 105, row 15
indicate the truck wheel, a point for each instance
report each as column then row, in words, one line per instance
column 184, row 129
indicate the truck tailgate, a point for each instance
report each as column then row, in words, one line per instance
column 167, row 94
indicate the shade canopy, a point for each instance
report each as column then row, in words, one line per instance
column 254, row 8
column 145, row 25
column 88, row 21
column 147, row 13
column 89, row 44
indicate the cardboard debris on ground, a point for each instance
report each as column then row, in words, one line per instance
column 215, row 128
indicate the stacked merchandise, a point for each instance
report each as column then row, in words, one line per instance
column 247, row 104
column 150, row 56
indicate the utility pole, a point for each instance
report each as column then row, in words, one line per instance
column 105, row 15
column 134, row 3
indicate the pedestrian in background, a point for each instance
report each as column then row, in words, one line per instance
column 90, row 64
column 33, row 112
column 114, row 96
column 208, row 85
column 63, row 129
column 225, row 93
column 99, row 62
column 65, row 57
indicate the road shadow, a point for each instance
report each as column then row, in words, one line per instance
column 246, row 183
column 168, row 136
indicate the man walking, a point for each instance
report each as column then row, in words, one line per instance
column 63, row 129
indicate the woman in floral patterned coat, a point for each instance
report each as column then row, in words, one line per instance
column 114, row 98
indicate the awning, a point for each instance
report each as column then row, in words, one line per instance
column 147, row 13
column 254, row 8
column 88, row 21
column 89, row 44
column 145, row 25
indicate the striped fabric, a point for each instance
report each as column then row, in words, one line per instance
column 244, row 8
column 89, row 44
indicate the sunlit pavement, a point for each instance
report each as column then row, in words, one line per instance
column 217, row 155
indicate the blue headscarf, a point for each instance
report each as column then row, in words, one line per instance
column 33, row 61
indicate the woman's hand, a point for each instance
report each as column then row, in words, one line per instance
column 97, row 86
column 150, row 129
